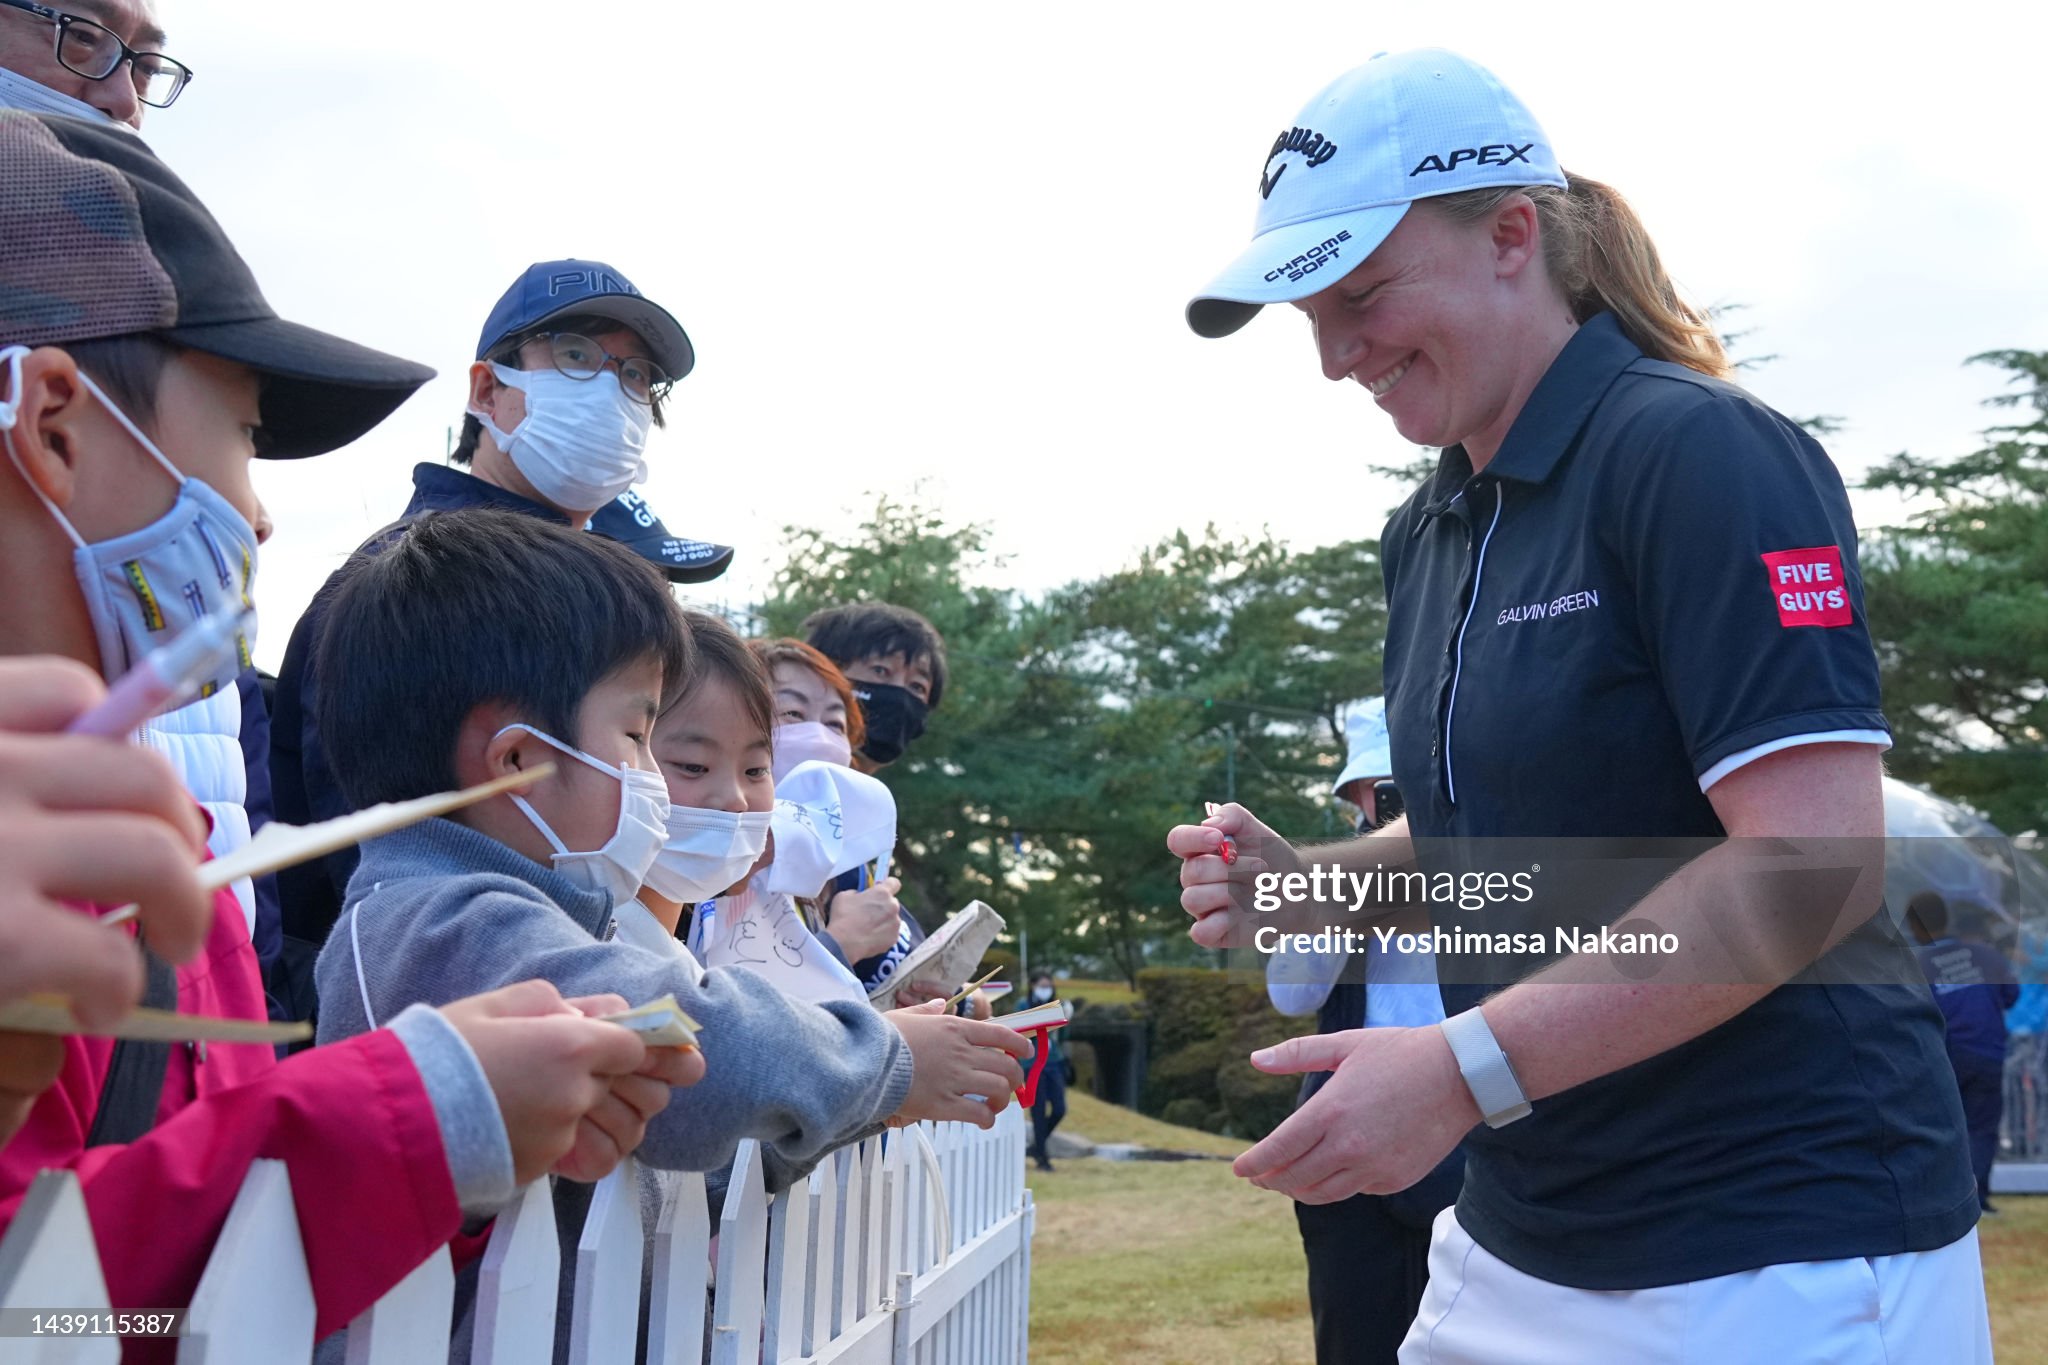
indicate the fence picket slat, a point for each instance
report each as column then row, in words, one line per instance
column 604, row 1321
column 255, row 1298
column 888, row 1212
column 874, row 1213
column 48, row 1260
column 910, row 1185
column 789, row 1252
column 846, row 1277
column 518, row 1284
column 1023, row 1323
column 824, row 1194
column 682, row 1278
column 742, row 1262
column 409, row 1325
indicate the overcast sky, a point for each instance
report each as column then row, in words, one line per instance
column 949, row 245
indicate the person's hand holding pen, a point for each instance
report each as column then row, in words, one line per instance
column 82, row 819
column 864, row 923
column 1222, row 861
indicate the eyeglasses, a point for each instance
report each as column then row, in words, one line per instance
column 95, row 52
column 579, row 357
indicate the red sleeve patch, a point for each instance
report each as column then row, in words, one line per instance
column 1808, row 587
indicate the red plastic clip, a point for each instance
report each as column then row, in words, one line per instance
column 1027, row 1095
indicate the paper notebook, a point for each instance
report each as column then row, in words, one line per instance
column 1051, row 1014
column 948, row 958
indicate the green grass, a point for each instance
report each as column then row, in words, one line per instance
column 1181, row 1263
column 1101, row 1121
column 2016, row 1277
column 1169, row 1263
column 1101, row 992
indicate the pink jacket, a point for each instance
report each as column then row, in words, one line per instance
column 352, row 1122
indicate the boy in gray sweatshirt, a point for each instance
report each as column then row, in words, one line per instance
column 480, row 643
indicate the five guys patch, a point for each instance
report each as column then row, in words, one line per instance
column 1809, row 587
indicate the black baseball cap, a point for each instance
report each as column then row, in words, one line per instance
column 99, row 239
column 630, row 521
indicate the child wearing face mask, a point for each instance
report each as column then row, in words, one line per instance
column 714, row 745
column 482, row 643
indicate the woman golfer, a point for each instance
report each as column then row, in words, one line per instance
column 1627, row 605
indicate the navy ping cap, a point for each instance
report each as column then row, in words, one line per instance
column 631, row 522
column 552, row 289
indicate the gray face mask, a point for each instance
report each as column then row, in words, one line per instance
column 146, row 588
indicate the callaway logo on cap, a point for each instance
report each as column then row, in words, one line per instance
column 1405, row 126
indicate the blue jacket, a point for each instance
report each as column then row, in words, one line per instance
column 1973, row 985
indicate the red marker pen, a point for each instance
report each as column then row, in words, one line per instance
column 1229, row 852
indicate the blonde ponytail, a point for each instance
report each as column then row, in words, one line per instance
column 1599, row 254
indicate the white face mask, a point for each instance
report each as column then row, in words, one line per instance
column 707, row 851
column 808, row 741
column 621, row 865
column 19, row 92
column 146, row 588
column 582, row 442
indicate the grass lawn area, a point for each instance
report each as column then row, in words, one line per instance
column 1181, row 1263
column 1101, row 1121
column 1100, row 993
column 2016, row 1277
column 1169, row 1263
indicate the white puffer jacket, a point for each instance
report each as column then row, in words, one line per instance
column 203, row 741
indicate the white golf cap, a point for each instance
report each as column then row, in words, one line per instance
column 1367, row 751
column 1405, row 126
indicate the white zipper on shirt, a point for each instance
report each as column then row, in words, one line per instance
column 1458, row 668
column 355, row 943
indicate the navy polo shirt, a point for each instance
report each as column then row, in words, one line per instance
column 1652, row 582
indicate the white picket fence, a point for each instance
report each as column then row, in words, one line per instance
column 912, row 1249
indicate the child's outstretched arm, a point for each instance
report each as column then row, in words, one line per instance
column 956, row 1060
column 801, row 1078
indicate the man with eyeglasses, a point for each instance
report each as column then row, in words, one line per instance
column 572, row 370
column 91, row 59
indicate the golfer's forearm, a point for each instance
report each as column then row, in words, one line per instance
column 1322, row 901
column 1742, row 928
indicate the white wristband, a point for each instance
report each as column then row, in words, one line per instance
column 1485, row 1067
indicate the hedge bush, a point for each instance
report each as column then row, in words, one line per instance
column 1205, row 1024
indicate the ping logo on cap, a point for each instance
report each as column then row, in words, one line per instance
column 1315, row 149
column 588, row 281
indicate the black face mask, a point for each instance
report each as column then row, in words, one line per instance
column 894, row 717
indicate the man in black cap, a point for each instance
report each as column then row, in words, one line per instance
column 572, row 370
